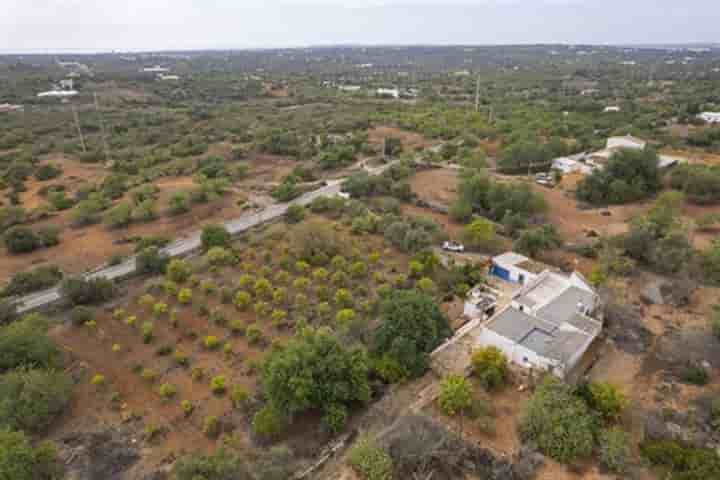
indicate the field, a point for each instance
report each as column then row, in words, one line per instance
column 135, row 370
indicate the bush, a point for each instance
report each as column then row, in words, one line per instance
column 25, row 240
column 695, row 375
column 605, row 398
column 119, row 216
column 31, row 281
column 178, row 271
column 214, row 236
column 222, row 465
column 218, row 385
column 80, row 291
column 148, row 332
column 32, row 399
column 220, row 257
column 455, row 395
column 295, row 214
column 26, row 343
column 268, row 423
column 80, row 315
column 370, row 461
column 490, row 365
column 167, row 391
column 688, row 463
column 151, row 261
column 48, row 171
column 615, row 450
column 19, row 460
column 558, row 422
column 239, row 396
column 211, row 342
column 254, row 334
column 185, row 296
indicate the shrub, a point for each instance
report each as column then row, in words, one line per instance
column 455, row 395
column 211, row 426
column 695, row 375
column 148, row 375
column 148, row 332
column 343, row 298
column 239, row 396
column 151, row 261
column 606, row 399
column 263, row 288
column 219, row 257
column 208, row 287
column 98, row 380
column 254, row 334
column 370, row 461
column 185, row 296
column 688, row 463
column 167, row 391
column 32, row 399
column 31, row 281
column 490, row 365
column 197, row 374
column 558, row 422
column 80, row 291
column 211, row 342
column 187, row 407
column 218, row 385
column 26, row 343
column 267, row 423
column 242, row 300
column 222, row 465
column 178, row 271
column 278, row 317
column 80, row 315
column 295, row 214
column 214, row 236
column 160, row 309
column 19, row 460
column 615, row 450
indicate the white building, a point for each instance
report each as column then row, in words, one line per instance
column 612, row 109
column 515, row 268
column 349, row 88
column 548, row 325
column 168, row 77
column 155, row 69
column 573, row 164
column 710, row 117
column 388, row 92
column 58, row 93
column 628, row 141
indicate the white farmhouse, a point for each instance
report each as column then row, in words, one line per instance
column 573, row 164
column 388, row 92
column 628, row 141
column 548, row 325
column 612, row 109
column 710, row 117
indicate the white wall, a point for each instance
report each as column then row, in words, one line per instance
column 515, row 353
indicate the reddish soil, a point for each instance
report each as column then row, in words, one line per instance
column 410, row 140
column 437, row 186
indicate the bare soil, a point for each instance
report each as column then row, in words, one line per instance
column 437, row 186
column 410, row 141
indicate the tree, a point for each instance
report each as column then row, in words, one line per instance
column 315, row 371
column 26, row 343
column 214, row 236
column 31, row 399
column 119, row 216
column 455, row 395
column 21, row 240
column 151, row 261
column 532, row 242
column 316, row 241
column 179, row 203
column 606, row 399
column 19, row 460
column 615, row 450
column 411, row 326
column 481, row 234
column 81, row 291
column 490, row 365
column 558, row 422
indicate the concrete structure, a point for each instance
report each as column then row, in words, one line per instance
column 573, row 164
column 515, row 268
column 58, row 93
column 155, row 69
column 710, row 117
column 168, row 77
column 612, row 109
column 349, row 88
column 628, row 141
column 388, row 92
column 548, row 325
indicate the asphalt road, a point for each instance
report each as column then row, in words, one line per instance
column 185, row 245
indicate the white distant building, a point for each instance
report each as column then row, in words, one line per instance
column 67, row 84
column 628, row 141
column 710, row 117
column 349, row 88
column 612, row 109
column 516, row 268
column 155, row 69
column 549, row 324
column 58, row 93
column 168, row 77
column 573, row 164
column 388, row 92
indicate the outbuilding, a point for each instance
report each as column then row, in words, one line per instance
column 515, row 268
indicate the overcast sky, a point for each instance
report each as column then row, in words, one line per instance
column 52, row 25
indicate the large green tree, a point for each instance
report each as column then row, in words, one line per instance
column 411, row 326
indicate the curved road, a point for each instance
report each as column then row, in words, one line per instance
column 187, row 244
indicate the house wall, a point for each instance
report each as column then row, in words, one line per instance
column 517, row 354
column 515, row 273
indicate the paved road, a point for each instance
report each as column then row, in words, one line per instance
column 187, row 244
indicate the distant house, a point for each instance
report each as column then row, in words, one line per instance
column 612, row 109
column 628, row 141
column 155, row 69
column 549, row 324
column 349, row 88
column 710, row 117
column 388, row 92
column 58, row 93
column 573, row 164
column 168, row 77
column 515, row 268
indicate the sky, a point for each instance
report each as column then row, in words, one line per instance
column 103, row 25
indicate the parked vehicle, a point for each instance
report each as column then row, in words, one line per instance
column 451, row 246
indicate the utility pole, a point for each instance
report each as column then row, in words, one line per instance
column 79, row 130
column 106, row 148
column 477, row 94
